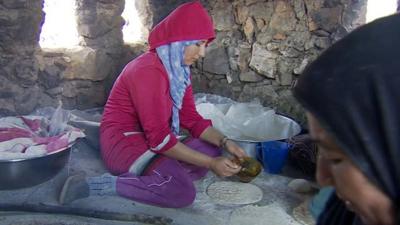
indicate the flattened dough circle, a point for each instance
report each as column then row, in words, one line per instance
column 226, row 193
column 261, row 215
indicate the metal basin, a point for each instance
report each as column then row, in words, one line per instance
column 249, row 147
column 22, row 173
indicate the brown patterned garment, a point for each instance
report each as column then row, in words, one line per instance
column 303, row 154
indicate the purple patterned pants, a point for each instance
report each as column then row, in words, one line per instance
column 166, row 182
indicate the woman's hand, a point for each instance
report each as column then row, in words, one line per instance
column 224, row 167
column 234, row 149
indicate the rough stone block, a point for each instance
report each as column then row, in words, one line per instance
column 241, row 14
column 266, row 94
column 248, row 29
column 327, row 18
column 50, row 77
column 262, row 10
column 85, row 65
column 223, row 18
column 27, row 101
column 284, row 18
column 250, row 76
column 216, row 61
column 263, row 61
column 70, row 88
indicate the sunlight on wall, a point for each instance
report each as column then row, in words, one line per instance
column 132, row 29
column 380, row 8
column 59, row 29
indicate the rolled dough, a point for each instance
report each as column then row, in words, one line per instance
column 226, row 193
column 261, row 215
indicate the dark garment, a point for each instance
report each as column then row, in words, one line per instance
column 353, row 89
column 398, row 6
column 303, row 154
column 336, row 213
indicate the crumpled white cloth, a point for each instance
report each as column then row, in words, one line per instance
column 25, row 137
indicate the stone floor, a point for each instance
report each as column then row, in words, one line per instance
column 38, row 204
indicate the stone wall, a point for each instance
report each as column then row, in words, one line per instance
column 86, row 73
column 19, row 70
column 261, row 47
column 31, row 77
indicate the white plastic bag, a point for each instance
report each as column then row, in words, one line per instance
column 58, row 121
column 248, row 121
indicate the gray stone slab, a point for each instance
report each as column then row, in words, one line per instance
column 17, row 218
column 86, row 158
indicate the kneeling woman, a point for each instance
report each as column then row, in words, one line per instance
column 149, row 102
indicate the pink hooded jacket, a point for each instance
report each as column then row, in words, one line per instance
column 136, row 122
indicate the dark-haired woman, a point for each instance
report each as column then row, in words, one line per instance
column 352, row 97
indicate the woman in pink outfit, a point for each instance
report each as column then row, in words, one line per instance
column 150, row 101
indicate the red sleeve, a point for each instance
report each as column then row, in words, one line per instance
column 189, row 118
column 148, row 89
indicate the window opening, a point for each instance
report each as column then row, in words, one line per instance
column 133, row 28
column 59, row 29
column 380, row 8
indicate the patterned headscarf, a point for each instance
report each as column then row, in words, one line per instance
column 353, row 91
column 171, row 56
